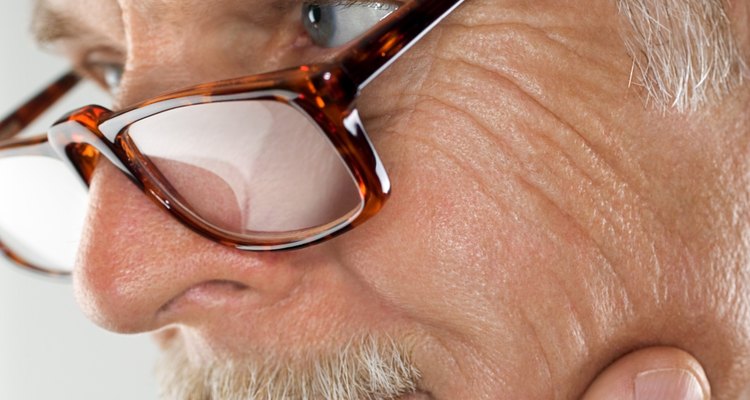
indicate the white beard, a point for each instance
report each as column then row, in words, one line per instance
column 364, row 369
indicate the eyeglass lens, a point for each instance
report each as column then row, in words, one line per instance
column 257, row 169
column 42, row 210
column 249, row 167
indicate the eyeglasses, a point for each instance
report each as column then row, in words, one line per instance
column 267, row 162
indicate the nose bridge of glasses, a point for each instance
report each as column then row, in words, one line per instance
column 78, row 141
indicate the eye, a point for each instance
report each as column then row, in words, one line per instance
column 108, row 75
column 336, row 24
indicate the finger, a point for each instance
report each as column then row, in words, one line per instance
column 654, row 373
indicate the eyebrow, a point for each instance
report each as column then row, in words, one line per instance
column 49, row 25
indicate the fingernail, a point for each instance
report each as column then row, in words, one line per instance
column 667, row 384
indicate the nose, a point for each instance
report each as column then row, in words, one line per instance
column 138, row 268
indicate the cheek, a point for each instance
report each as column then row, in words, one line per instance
column 437, row 249
column 438, row 227
column 465, row 247
column 452, row 257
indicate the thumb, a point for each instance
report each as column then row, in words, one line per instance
column 654, row 373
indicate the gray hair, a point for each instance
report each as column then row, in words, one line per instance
column 365, row 368
column 684, row 52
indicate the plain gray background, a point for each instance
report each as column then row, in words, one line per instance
column 48, row 349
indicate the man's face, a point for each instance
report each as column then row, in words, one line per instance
column 543, row 221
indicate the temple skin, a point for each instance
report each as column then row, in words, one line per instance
column 545, row 221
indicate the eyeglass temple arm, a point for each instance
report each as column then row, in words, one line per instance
column 29, row 111
column 381, row 47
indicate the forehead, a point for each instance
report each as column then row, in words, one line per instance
column 56, row 19
column 114, row 6
column 69, row 18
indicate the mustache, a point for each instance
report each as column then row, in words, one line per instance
column 365, row 368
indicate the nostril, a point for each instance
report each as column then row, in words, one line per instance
column 209, row 294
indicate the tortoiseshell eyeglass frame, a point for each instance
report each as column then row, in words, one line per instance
column 325, row 92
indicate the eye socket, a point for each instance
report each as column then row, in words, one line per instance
column 333, row 25
column 107, row 74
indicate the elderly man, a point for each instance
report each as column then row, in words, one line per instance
column 567, row 179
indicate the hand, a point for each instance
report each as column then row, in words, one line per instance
column 654, row 373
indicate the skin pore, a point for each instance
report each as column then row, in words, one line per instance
column 544, row 221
